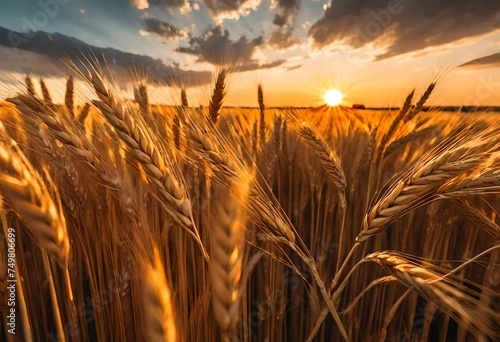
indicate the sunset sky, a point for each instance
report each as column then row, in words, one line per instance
column 374, row 51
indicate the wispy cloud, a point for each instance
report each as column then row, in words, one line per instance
column 484, row 62
column 163, row 29
column 217, row 9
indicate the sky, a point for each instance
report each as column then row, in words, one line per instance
column 374, row 51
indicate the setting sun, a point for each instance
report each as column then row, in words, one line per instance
column 333, row 97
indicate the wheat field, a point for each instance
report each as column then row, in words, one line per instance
column 145, row 222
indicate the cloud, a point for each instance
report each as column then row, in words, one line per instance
column 254, row 65
column 292, row 67
column 47, row 54
column 217, row 9
column 403, row 26
column 490, row 61
column 170, row 4
column 26, row 62
column 164, row 29
column 283, row 37
column 140, row 4
column 230, row 9
column 287, row 11
column 216, row 47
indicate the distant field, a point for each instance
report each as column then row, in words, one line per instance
column 143, row 222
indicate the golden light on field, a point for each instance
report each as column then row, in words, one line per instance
column 333, row 97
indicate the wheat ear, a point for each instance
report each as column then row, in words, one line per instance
column 176, row 128
column 38, row 135
column 462, row 152
column 454, row 298
column 327, row 158
column 84, row 113
column 78, row 144
column 159, row 316
column 217, row 97
column 484, row 180
column 30, row 88
column 69, row 96
column 184, row 99
column 421, row 102
column 23, row 187
column 397, row 120
column 46, row 94
column 227, row 250
column 262, row 116
column 138, row 139
column 141, row 96
column 475, row 215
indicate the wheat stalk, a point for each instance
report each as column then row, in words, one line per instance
column 259, row 203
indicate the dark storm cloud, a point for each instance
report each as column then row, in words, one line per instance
column 288, row 9
column 216, row 47
column 164, row 29
column 54, row 49
column 283, row 37
column 484, row 62
column 404, row 25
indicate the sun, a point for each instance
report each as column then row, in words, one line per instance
column 333, row 97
